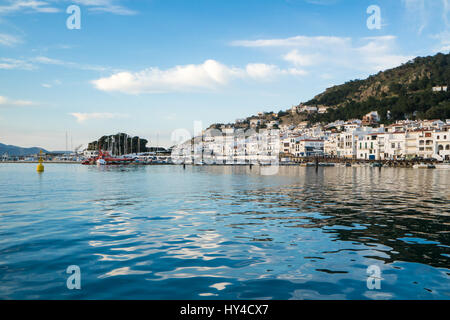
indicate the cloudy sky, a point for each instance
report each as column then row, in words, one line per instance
column 148, row 67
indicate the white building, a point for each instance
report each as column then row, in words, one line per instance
column 347, row 143
column 330, row 145
column 395, row 146
column 371, row 146
column 308, row 147
column 425, row 144
column 442, row 144
column 322, row 109
column 90, row 153
column 255, row 122
column 272, row 124
column 440, row 89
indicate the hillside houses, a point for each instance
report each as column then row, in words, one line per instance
column 406, row 139
column 440, row 89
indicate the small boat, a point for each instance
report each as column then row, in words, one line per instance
column 424, row 166
column 308, row 164
column 101, row 162
column 326, row 164
column 445, row 165
column 105, row 159
column 376, row 165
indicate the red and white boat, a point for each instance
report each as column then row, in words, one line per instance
column 104, row 158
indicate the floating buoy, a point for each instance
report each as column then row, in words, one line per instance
column 40, row 166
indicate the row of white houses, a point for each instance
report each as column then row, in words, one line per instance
column 403, row 140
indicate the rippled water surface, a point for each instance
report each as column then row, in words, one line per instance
column 161, row 232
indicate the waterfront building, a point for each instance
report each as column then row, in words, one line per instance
column 308, row 147
column 395, row 146
column 442, row 144
column 330, row 145
column 371, row 146
column 347, row 143
column 425, row 144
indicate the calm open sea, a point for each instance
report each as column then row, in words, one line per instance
column 161, row 232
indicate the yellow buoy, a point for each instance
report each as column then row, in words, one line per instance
column 40, row 166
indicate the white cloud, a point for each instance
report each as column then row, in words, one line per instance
column 9, row 64
column 32, row 63
column 28, row 6
column 444, row 41
column 267, row 72
column 298, row 59
column 9, row 40
column 298, row 41
column 51, row 84
column 377, row 53
column 209, row 75
column 180, row 78
column 40, row 6
column 6, row 102
column 260, row 70
column 82, row 117
column 368, row 54
column 109, row 6
column 67, row 64
column 417, row 13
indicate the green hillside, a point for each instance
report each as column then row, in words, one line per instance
column 405, row 91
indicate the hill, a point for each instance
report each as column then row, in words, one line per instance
column 405, row 91
column 19, row 151
column 398, row 93
column 120, row 143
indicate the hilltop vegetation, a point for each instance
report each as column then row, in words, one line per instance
column 405, row 91
column 120, row 143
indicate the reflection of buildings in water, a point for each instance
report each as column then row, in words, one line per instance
column 390, row 204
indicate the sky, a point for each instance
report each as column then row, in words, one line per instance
column 149, row 67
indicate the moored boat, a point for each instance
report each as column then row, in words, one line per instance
column 376, row 165
column 445, row 165
column 424, row 166
column 105, row 159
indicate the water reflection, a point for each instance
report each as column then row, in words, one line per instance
column 225, row 232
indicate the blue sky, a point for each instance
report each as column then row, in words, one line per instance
column 148, row 67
